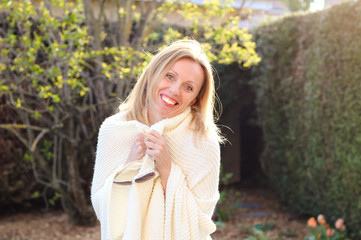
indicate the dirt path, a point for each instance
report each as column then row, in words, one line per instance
column 259, row 206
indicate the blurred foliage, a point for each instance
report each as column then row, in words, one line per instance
column 309, row 106
column 227, row 204
column 260, row 232
column 16, row 184
column 297, row 5
column 63, row 68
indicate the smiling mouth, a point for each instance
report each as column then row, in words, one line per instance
column 169, row 100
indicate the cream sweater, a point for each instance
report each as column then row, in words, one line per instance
column 140, row 210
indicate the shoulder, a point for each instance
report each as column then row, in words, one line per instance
column 113, row 124
column 209, row 137
column 209, row 143
column 116, row 118
column 205, row 145
column 116, row 130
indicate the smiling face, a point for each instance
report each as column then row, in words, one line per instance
column 177, row 90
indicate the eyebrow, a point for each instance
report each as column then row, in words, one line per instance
column 173, row 71
column 189, row 81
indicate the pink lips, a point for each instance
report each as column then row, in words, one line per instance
column 168, row 101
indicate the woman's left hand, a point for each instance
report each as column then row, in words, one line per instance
column 158, row 149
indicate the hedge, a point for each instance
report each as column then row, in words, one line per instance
column 308, row 100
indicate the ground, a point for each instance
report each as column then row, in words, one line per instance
column 260, row 207
column 250, row 206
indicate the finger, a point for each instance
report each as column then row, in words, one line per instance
column 159, row 140
column 155, row 134
column 141, row 155
column 151, row 145
column 140, row 137
column 141, row 145
column 152, row 152
column 140, row 149
column 138, row 146
column 151, row 139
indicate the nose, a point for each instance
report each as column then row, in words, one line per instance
column 175, row 89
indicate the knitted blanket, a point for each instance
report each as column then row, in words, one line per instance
column 140, row 210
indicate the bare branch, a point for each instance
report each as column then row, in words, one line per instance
column 143, row 23
column 10, row 126
column 55, row 157
column 23, row 140
column 124, row 18
column 37, row 139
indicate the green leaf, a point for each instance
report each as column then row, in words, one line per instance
column 258, row 226
column 269, row 226
column 51, row 108
column 36, row 115
column 55, row 98
column 28, row 158
column 35, row 195
column 18, row 103
column 4, row 89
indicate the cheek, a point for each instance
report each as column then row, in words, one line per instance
column 159, row 86
column 193, row 102
column 193, row 99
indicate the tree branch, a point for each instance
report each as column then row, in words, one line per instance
column 37, row 139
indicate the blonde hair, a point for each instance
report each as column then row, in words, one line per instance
column 202, row 110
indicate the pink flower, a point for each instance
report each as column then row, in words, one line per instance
column 339, row 224
column 321, row 220
column 312, row 222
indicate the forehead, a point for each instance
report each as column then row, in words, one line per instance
column 189, row 70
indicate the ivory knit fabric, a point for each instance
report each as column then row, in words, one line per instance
column 140, row 210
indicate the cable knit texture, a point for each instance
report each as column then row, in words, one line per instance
column 140, row 210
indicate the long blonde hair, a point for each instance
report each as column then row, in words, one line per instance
column 202, row 110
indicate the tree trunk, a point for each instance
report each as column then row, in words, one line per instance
column 81, row 212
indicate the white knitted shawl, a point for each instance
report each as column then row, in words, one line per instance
column 140, row 210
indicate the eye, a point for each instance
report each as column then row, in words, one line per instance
column 189, row 88
column 170, row 76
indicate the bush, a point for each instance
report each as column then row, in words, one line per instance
column 61, row 75
column 15, row 172
column 308, row 100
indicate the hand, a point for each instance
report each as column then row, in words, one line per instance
column 158, row 149
column 137, row 151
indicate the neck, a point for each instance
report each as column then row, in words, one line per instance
column 152, row 118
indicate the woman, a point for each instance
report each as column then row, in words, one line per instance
column 157, row 164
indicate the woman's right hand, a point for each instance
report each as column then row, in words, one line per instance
column 138, row 149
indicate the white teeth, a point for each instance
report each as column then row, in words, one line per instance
column 168, row 100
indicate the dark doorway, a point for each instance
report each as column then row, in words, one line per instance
column 251, row 143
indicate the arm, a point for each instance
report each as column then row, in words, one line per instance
column 192, row 193
column 115, row 142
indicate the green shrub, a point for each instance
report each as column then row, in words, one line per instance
column 308, row 100
column 62, row 74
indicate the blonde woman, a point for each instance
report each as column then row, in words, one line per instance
column 157, row 163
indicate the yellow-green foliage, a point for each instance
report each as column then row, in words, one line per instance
column 62, row 75
column 308, row 97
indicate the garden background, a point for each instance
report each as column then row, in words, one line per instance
column 289, row 90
